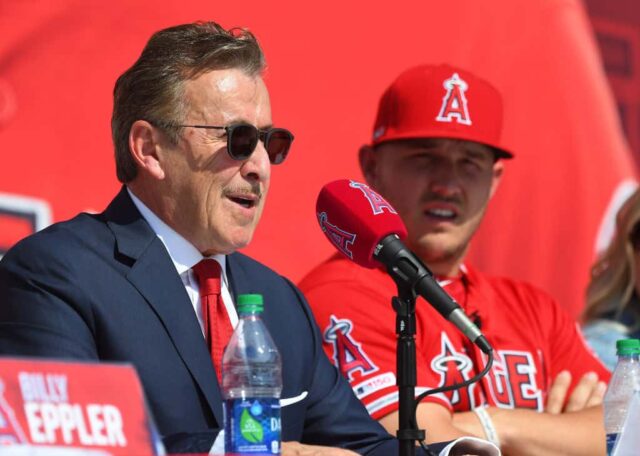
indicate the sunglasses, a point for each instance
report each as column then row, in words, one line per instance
column 634, row 237
column 242, row 139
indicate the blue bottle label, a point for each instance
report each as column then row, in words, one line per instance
column 611, row 441
column 252, row 426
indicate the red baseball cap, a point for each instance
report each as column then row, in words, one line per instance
column 441, row 101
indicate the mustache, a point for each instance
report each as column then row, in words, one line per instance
column 435, row 198
column 254, row 191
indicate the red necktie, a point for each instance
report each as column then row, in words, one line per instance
column 217, row 326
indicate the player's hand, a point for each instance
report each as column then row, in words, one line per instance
column 298, row 449
column 588, row 392
column 558, row 392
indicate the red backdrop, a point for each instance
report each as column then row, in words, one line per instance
column 328, row 64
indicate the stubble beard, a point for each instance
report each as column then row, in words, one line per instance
column 441, row 255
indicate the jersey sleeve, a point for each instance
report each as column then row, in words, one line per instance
column 568, row 348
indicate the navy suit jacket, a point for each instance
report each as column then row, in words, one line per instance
column 103, row 288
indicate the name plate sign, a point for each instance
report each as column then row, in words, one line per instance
column 83, row 405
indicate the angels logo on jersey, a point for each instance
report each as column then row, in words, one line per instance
column 511, row 381
column 348, row 355
column 454, row 367
column 454, row 103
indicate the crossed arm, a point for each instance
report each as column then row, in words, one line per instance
column 570, row 427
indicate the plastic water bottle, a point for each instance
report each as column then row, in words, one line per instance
column 621, row 387
column 251, row 384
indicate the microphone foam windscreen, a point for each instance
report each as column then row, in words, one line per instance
column 355, row 219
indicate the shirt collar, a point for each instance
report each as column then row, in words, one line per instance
column 183, row 254
column 463, row 275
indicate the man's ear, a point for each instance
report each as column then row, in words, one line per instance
column 498, row 168
column 368, row 164
column 143, row 145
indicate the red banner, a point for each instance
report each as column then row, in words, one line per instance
column 327, row 67
column 60, row 404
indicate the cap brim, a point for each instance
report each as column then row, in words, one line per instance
column 499, row 151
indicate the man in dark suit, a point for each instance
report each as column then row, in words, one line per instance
column 194, row 145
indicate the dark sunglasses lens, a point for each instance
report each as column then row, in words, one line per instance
column 242, row 141
column 635, row 237
column 278, row 144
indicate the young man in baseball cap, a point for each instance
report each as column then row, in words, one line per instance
column 437, row 157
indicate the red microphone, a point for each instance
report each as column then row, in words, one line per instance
column 367, row 229
column 355, row 218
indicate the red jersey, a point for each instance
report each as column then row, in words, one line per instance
column 533, row 338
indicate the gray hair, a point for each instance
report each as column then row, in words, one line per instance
column 152, row 89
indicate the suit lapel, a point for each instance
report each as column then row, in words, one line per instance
column 239, row 279
column 242, row 281
column 155, row 277
column 235, row 276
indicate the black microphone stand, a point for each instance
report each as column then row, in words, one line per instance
column 405, row 306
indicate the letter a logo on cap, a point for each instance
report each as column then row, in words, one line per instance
column 454, row 103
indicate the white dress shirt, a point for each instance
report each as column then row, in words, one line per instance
column 184, row 257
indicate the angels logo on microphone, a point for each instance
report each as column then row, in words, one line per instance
column 377, row 202
column 454, row 103
column 348, row 355
column 340, row 238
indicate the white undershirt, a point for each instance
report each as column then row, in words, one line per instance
column 184, row 257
